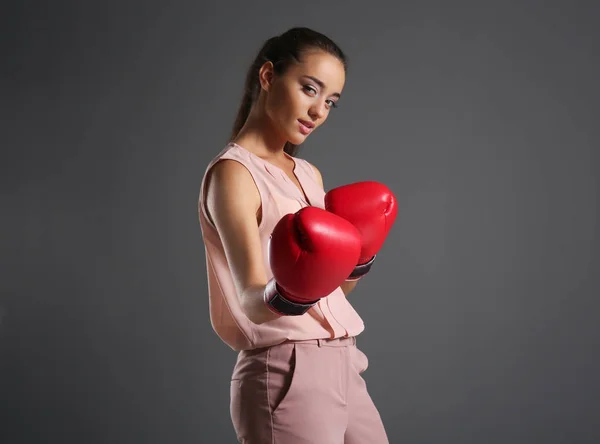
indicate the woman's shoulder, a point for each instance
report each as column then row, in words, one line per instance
column 229, row 167
column 230, row 180
column 310, row 169
column 229, row 151
column 230, row 160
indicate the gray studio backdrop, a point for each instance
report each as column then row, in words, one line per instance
column 482, row 312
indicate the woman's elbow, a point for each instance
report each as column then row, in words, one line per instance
column 254, row 307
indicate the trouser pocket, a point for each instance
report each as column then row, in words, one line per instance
column 359, row 360
column 263, row 384
column 284, row 365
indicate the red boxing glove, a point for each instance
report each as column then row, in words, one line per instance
column 372, row 208
column 311, row 253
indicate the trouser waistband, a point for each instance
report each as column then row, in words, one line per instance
column 327, row 342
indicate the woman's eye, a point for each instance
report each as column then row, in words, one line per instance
column 311, row 89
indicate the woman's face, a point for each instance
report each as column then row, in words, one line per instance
column 299, row 101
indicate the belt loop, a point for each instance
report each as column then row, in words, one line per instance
column 319, row 342
column 353, row 340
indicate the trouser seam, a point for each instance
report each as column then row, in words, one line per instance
column 267, row 395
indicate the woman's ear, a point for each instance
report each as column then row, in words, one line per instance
column 266, row 75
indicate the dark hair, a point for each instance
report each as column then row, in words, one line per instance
column 282, row 51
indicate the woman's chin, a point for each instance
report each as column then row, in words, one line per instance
column 297, row 139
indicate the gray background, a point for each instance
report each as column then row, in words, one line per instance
column 482, row 313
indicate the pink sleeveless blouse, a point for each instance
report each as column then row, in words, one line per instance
column 332, row 317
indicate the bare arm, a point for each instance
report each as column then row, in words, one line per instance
column 232, row 201
column 346, row 286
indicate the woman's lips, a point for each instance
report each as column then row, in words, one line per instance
column 305, row 127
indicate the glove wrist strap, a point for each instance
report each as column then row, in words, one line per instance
column 278, row 304
column 361, row 269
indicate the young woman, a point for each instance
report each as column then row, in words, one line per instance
column 282, row 255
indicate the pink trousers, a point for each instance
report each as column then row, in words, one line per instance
column 304, row 392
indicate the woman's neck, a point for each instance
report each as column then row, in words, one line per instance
column 261, row 140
